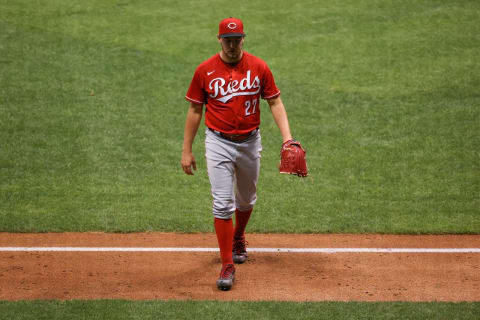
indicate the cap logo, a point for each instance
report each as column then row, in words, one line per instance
column 232, row 25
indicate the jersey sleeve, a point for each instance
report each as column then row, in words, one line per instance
column 195, row 92
column 269, row 89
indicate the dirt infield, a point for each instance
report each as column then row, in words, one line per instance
column 357, row 276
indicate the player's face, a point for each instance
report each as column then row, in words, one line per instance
column 232, row 47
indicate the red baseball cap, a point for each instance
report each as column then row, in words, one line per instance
column 231, row 27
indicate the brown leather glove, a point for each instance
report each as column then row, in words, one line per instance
column 292, row 159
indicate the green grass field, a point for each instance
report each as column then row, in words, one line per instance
column 210, row 310
column 383, row 94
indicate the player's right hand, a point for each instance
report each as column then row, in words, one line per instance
column 188, row 161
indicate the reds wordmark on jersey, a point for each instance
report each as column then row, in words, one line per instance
column 232, row 92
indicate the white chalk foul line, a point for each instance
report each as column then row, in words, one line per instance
column 274, row 250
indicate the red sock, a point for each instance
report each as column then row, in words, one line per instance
column 224, row 231
column 241, row 220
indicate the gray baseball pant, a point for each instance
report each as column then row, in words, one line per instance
column 233, row 170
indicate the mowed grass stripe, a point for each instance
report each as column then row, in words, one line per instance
column 118, row 309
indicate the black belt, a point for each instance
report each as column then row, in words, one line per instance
column 235, row 137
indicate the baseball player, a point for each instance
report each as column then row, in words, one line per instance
column 230, row 85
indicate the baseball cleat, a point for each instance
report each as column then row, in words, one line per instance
column 227, row 277
column 239, row 250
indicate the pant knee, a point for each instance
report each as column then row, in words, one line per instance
column 246, row 203
column 224, row 215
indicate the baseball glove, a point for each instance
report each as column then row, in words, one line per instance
column 292, row 159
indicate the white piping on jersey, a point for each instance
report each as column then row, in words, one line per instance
column 193, row 100
column 269, row 97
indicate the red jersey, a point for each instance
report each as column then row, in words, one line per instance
column 232, row 92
